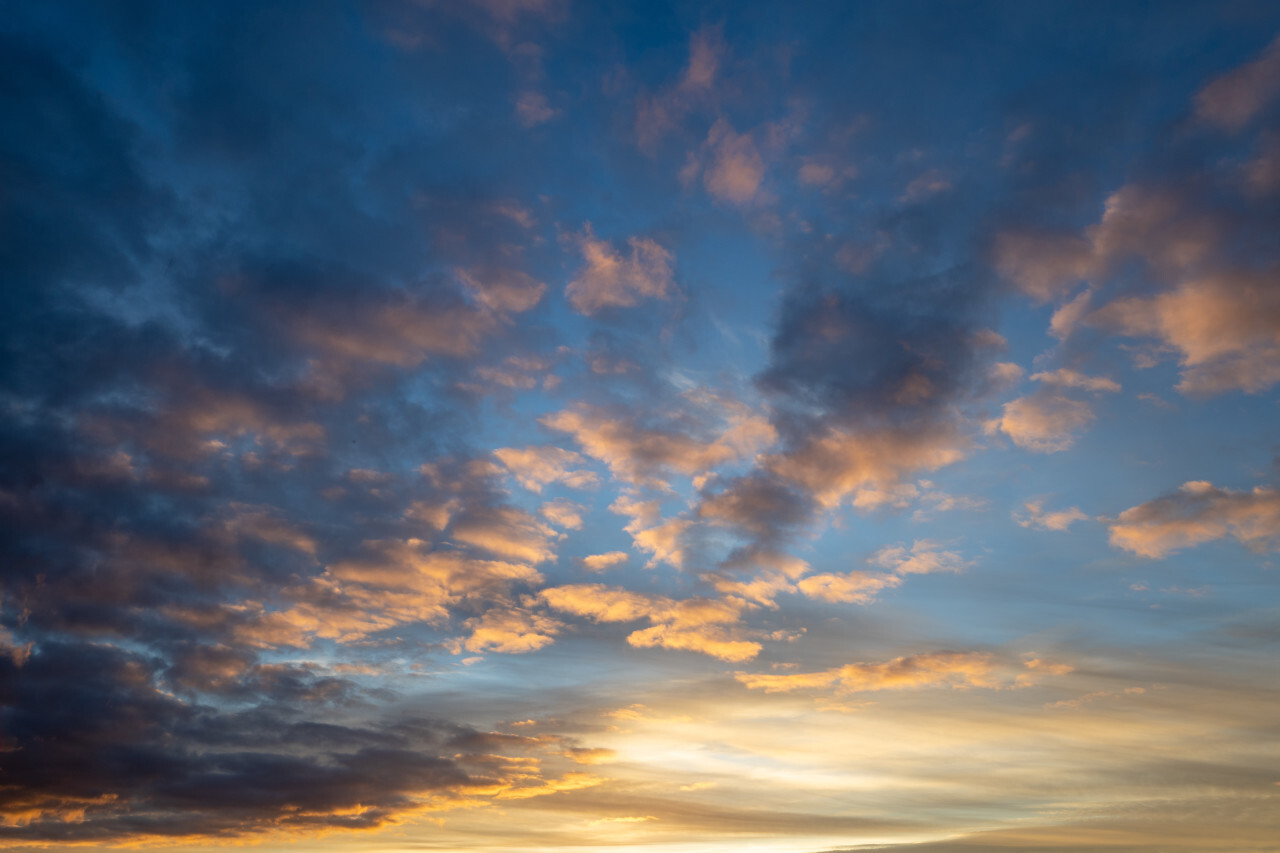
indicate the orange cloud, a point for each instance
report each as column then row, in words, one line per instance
column 852, row 587
column 924, row 557
column 265, row 526
column 1152, row 223
column 768, row 574
column 696, row 624
column 868, row 464
column 1199, row 512
column 1227, row 328
column 637, row 455
column 535, row 467
column 932, row 669
column 394, row 582
column 1224, row 322
column 600, row 562
column 509, row 631
column 1036, row 516
column 563, row 513
column 958, row 670
column 661, row 539
column 609, row 279
column 1044, row 422
column 506, row 532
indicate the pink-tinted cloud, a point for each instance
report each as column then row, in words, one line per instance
column 532, row 109
column 1065, row 377
column 1037, row 516
column 1199, row 512
column 735, row 168
column 661, row 113
column 1233, row 99
column 1046, row 423
column 867, row 464
column 503, row 290
column 535, row 467
column 1226, row 327
column 613, row 279
column 637, row 454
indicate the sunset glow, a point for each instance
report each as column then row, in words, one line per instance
column 549, row 425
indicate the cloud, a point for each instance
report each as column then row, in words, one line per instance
column 926, row 184
column 757, row 574
column 851, row 587
column 100, row 752
column 1069, row 315
column 1262, row 173
column 1043, row 265
column 1226, row 327
column 532, row 109
column 662, row 539
column 518, row 372
column 700, row 625
column 1044, row 422
column 923, row 558
column 505, row 532
column 403, row 331
column 509, row 631
column 1065, row 377
column 1199, row 512
column 391, row 583
column 1005, row 374
column 1165, row 262
column 641, row 455
column 735, row 168
column 816, row 174
column 866, row 464
column 535, row 467
column 503, row 290
column 1036, row 516
column 601, row 562
column 611, row 279
column 957, row 670
column 661, row 113
column 1232, row 100
column 563, row 513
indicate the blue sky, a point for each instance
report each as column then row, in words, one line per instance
column 507, row 425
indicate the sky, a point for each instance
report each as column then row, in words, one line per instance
column 526, row 425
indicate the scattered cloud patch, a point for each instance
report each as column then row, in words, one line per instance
column 1199, row 512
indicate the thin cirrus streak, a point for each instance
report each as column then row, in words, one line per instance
column 496, row 426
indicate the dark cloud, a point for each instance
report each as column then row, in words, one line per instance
column 95, row 749
column 240, row 298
